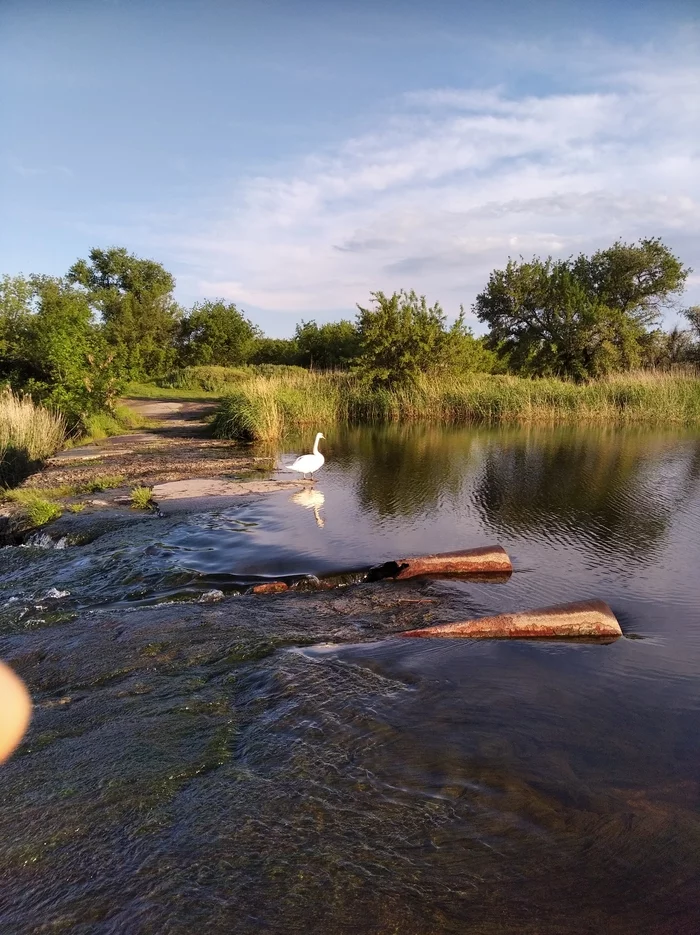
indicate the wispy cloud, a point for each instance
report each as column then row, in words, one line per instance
column 456, row 180
column 31, row 172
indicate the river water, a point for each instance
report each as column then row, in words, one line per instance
column 287, row 764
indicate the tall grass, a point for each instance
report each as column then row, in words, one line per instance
column 27, row 430
column 263, row 408
column 212, row 379
column 215, row 379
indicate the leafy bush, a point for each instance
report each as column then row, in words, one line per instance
column 402, row 338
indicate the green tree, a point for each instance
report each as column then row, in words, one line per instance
column 333, row 346
column 664, row 349
column 401, row 337
column 71, row 366
column 580, row 317
column 17, row 296
column 469, row 354
column 217, row 333
column 275, row 351
column 693, row 316
column 134, row 298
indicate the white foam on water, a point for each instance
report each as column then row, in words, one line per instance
column 55, row 593
column 42, row 540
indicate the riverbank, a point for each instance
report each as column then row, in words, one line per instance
column 118, row 472
column 263, row 408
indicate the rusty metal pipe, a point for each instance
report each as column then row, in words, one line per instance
column 487, row 560
column 270, row 587
column 580, row 620
column 490, row 562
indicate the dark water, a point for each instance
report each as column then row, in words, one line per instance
column 285, row 764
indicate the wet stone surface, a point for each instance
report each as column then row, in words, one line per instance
column 136, row 713
column 250, row 766
column 285, row 763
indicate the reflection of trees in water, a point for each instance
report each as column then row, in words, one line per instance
column 406, row 470
column 617, row 488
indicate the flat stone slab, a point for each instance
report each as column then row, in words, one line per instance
column 135, row 438
column 85, row 453
column 116, row 445
column 202, row 493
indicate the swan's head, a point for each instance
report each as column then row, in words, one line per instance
column 320, row 435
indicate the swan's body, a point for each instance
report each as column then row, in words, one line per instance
column 308, row 464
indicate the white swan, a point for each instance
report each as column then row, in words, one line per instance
column 308, row 464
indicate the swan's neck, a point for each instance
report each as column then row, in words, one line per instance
column 316, row 445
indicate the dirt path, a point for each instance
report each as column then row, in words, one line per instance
column 183, row 418
column 95, row 481
column 176, row 446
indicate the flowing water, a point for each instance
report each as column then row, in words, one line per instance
column 288, row 764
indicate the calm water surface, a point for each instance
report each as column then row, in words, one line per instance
column 286, row 778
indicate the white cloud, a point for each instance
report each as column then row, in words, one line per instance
column 454, row 182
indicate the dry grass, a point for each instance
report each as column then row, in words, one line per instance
column 29, row 428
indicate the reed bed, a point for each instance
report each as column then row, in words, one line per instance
column 264, row 408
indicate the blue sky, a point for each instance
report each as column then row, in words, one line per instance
column 293, row 156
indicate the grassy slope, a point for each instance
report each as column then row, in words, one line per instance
column 151, row 391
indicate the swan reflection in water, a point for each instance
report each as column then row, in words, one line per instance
column 312, row 500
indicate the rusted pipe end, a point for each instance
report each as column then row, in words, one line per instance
column 489, row 559
column 579, row 620
column 270, row 587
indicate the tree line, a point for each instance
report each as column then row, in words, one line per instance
column 74, row 342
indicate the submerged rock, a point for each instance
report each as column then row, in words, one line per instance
column 211, row 597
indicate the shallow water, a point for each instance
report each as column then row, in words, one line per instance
column 286, row 764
